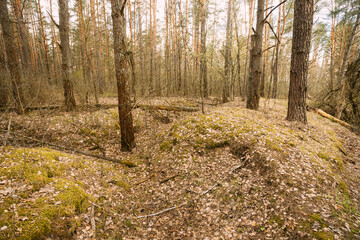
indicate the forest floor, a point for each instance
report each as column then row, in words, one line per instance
column 231, row 173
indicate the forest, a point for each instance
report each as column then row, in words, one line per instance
column 179, row 119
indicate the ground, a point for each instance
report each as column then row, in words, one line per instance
column 230, row 173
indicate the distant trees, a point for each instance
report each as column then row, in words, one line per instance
column 12, row 58
column 301, row 42
column 345, row 84
column 122, row 61
column 65, row 52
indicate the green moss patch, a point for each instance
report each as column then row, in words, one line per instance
column 41, row 203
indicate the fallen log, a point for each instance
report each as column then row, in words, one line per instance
column 107, row 106
column 167, row 108
column 334, row 119
column 123, row 162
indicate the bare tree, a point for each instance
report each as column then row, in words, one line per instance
column 301, row 41
column 65, row 52
column 122, row 75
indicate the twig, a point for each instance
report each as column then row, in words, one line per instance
column 144, row 180
column 169, row 178
column 205, row 192
column 93, row 226
column 163, row 211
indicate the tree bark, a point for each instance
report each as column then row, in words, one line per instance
column 253, row 96
column 65, row 52
column 122, row 75
column 203, row 63
column 228, row 60
column 12, row 58
column 301, row 41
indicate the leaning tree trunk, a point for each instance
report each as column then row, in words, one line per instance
column 253, row 96
column 122, row 76
column 12, row 59
column 342, row 99
column 65, row 52
column 301, row 41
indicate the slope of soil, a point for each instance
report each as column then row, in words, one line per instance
column 231, row 173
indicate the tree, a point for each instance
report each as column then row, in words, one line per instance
column 253, row 96
column 12, row 58
column 342, row 99
column 301, row 41
column 228, row 60
column 203, row 65
column 65, row 52
column 122, row 75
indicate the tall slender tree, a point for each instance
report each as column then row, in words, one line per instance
column 253, row 96
column 65, row 52
column 122, row 75
column 301, row 41
column 203, row 64
column 228, row 59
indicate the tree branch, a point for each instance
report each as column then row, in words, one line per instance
column 273, row 31
column 274, row 9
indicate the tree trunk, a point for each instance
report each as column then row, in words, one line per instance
column 46, row 47
column 266, row 44
column 122, row 76
column 25, row 47
column 12, row 59
column 185, row 48
column 342, row 99
column 203, row 64
column 301, row 41
column 65, row 51
column 253, row 96
column 228, row 60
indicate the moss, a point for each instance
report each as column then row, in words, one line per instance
column 48, row 215
column 273, row 145
column 121, row 183
column 343, row 188
column 323, row 235
column 323, row 156
column 35, row 166
column 165, row 146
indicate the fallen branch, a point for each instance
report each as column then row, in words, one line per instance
column 106, row 106
column 169, row 178
column 334, row 119
column 144, row 180
column 123, row 162
column 168, row 108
